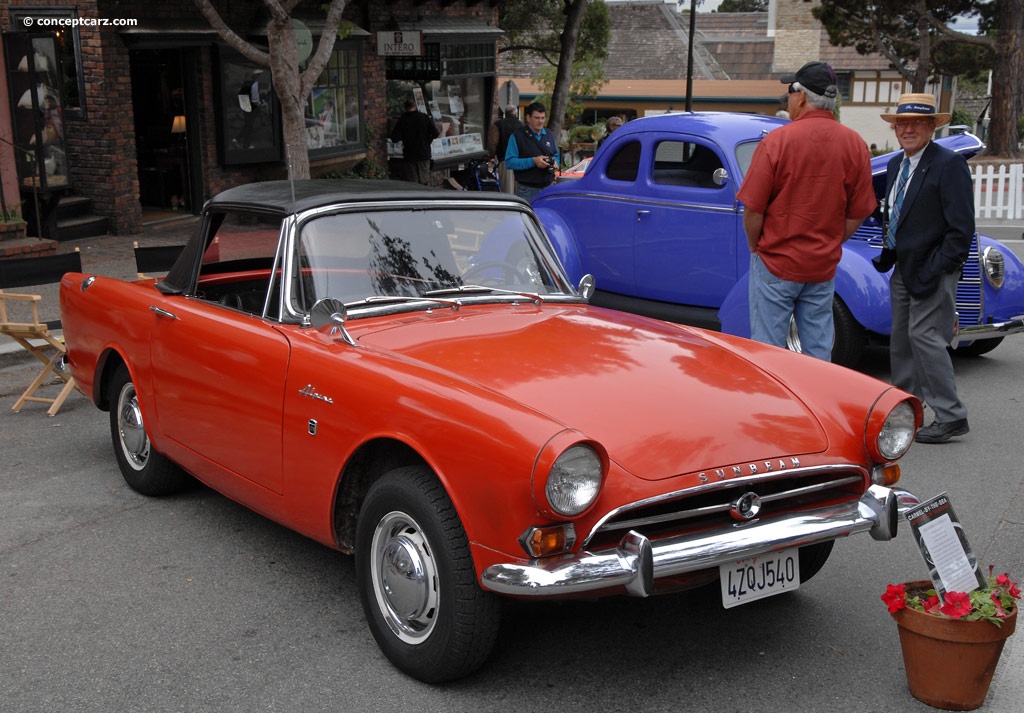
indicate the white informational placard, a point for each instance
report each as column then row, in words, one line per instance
column 943, row 544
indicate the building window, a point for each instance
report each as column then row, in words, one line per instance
column 845, row 81
column 69, row 53
column 334, row 113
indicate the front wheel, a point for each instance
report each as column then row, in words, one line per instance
column 417, row 583
column 813, row 558
column 145, row 470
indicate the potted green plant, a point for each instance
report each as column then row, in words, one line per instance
column 12, row 225
column 951, row 645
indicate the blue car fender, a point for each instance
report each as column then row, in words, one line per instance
column 863, row 289
column 564, row 242
column 1007, row 301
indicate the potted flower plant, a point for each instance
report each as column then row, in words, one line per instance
column 951, row 645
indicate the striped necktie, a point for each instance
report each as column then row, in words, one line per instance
column 897, row 204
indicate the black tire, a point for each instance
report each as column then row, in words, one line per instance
column 145, row 470
column 977, row 347
column 813, row 558
column 848, row 343
column 438, row 625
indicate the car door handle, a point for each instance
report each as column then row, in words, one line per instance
column 162, row 312
column 641, row 213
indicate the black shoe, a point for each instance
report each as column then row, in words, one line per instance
column 942, row 432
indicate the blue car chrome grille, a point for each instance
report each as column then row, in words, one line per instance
column 968, row 292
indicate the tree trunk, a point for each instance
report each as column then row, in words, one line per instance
column 291, row 87
column 1007, row 81
column 284, row 72
column 575, row 10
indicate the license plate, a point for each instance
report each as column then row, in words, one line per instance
column 759, row 577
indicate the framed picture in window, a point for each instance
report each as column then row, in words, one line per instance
column 248, row 117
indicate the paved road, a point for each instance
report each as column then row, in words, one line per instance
column 110, row 601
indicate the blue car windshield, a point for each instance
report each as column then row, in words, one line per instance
column 744, row 155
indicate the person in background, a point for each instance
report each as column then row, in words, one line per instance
column 929, row 225
column 609, row 126
column 532, row 154
column 501, row 132
column 807, row 190
column 416, row 131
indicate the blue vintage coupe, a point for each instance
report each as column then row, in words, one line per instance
column 655, row 219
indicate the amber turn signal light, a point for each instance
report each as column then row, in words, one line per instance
column 546, row 541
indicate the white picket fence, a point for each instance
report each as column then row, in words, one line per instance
column 999, row 191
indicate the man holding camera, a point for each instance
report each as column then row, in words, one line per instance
column 532, row 154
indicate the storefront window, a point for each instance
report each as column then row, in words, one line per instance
column 458, row 107
column 333, row 119
column 69, row 53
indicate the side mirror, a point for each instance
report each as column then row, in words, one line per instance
column 586, row 287
column 720, row 176
column 331, row 313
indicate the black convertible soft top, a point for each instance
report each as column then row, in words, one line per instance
column 291, row 197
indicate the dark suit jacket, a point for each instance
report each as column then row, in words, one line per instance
column 936, row 221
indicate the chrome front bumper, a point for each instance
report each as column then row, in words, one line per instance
column 637, row 561
column 988, row 331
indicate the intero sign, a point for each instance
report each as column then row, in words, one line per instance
column 400, row 43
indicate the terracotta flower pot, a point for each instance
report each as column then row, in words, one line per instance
column 950, row 662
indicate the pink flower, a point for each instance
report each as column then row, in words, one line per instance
column 957, row 605
column 895, row 597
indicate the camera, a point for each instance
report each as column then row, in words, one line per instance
column 550, row 161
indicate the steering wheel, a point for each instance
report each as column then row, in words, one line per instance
column 508, row 267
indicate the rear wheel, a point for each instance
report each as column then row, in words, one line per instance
column 417, row 583
column 145, row 470
column 849, row 340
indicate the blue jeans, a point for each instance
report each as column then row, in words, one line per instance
column 773, row 301
column 527, row 192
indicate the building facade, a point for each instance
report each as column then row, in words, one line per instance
column 157, row 112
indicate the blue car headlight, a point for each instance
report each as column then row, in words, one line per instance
column 994, row 266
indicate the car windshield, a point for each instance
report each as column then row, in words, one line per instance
column 744, row 155
column 361, row 258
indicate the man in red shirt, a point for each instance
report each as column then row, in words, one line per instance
column 807, row 190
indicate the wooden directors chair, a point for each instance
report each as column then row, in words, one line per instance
column 33, row 335
column 155, row 258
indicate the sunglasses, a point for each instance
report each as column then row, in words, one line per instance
column 916, row 123
column 793, row 88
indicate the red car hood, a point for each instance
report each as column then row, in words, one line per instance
column 660, row 398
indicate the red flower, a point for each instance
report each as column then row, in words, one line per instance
column 999, row 605
column 932, row 604
column 957, row 605
column 895, row 597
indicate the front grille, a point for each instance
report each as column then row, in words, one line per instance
column 968, row 291
column 708, row 506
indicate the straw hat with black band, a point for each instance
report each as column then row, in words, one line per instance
column 913, row 105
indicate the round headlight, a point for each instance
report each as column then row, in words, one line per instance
column 994, row 265
column 574, row 480
column 897, row 432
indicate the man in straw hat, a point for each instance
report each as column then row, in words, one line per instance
column 928, row 219
column 807, row 190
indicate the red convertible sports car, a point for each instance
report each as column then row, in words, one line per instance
column 407, row 375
